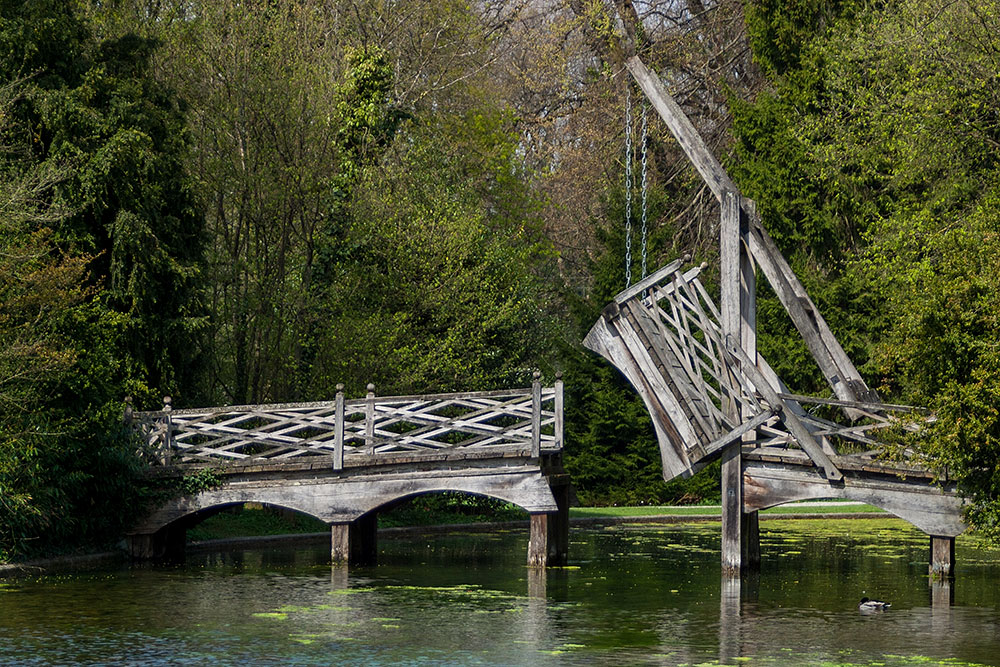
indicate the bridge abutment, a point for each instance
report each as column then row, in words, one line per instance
column 942, row 560
column 548, row 540
column 355, row 542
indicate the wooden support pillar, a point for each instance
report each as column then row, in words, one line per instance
column 942, row 564
column 165, row 545
column 732, row 511
column 559, row 527
column 751, row 540
column 355, row 542
column 544, row 540
column 740, row 532
column 340, row 543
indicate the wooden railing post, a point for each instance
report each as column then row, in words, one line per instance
column 338, row 430
column 129, row 412
column 558, row 408
column 370, row 419
column 168, row 433
column 536, row 414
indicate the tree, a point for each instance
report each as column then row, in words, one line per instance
column 98, row 271
column 876, row 155
column 445, row 284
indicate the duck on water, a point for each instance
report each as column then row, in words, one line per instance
column 873, row 605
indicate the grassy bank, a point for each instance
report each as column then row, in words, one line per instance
column 255, row 520
column 715, row 510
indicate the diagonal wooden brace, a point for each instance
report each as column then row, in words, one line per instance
column 795, row 426
column 834, row 363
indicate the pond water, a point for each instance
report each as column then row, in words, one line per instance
column 648, row 594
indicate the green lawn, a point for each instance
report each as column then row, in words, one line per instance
column 255, row 520
column 694, row 510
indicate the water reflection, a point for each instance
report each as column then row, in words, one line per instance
column 633, row 595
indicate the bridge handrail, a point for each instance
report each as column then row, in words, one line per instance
column 352, row 402
column 524, row 420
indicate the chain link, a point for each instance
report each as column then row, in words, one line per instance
column 628, row 187
column 645, row 111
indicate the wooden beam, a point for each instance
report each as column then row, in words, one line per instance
column 687, row 136
column 650, row 280
column 834, row 363
column 792, row 422
column 730, row 308
column 738, row 432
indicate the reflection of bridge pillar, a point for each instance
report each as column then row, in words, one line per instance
column 355, row 542
column 167, row 544
column 729, row 619
column 942, row 592
column 942, row 557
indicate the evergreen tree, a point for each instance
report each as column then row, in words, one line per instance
column 103, row 299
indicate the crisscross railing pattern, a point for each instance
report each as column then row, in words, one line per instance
column 369, row 430
column 665, row 334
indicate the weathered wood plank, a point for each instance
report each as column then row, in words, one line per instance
column 861, row 405
column 649, row 281
column 632, row 333
column 795, row 426
column 687, row 136
column 731, row 323
column 738, row 432
column 604, row 340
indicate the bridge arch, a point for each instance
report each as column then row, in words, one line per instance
column 920, row 504
column 349, row 504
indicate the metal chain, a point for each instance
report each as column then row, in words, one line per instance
column 628, row 187
column 645, row 111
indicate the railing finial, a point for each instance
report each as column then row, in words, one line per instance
column 127, row 417
column 167, row 401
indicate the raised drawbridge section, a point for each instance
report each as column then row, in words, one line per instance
column 694, row 363
column 705, row 393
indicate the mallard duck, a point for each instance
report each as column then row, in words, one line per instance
column 873, row 605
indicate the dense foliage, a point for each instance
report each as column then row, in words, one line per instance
column 101, row 245
column 238, row 201
column 875, row 161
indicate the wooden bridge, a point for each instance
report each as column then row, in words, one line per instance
column 710, row 393
column 343, row 461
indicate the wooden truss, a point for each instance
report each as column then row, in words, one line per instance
column 665, row 335
column 695, row 364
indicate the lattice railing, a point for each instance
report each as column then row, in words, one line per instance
column 368, row 430
column 665, row 334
